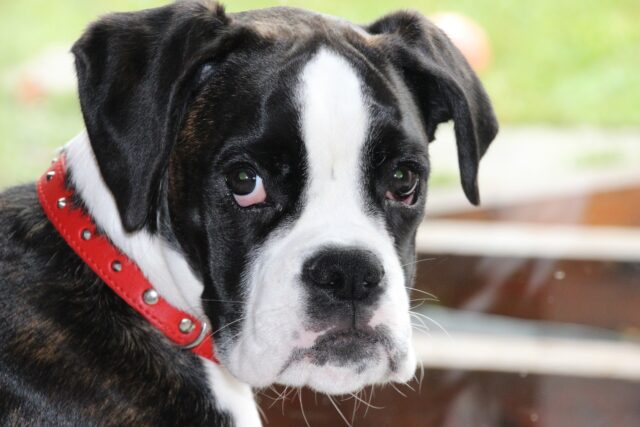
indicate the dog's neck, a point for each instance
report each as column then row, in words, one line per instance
column 165, row 268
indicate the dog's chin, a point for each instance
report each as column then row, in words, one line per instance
column 347, row 378
column 342, row 362
column 336, row 362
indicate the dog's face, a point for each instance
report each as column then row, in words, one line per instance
column 285, row 155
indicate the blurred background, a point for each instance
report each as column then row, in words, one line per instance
column 527, row 310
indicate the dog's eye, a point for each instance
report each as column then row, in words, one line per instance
column 403, row 185
column 246, row 186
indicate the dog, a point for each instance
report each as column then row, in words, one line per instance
column 247, row 190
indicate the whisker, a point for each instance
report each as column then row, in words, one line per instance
column 356, row 405
column 367, row 404
column 370, row 400
column 417, row 379
column 283, row 397
column 423, row 299
column 410, row 388
column 422, row 326
column 428, row 294
column 396, row 389
column 280, row 397
column 265, row 393
column 339, row 411
column 432, row 321
column 302, row 408
column 287, row 396
column 420, row 304
column 234, row 336
column 277, row 398
column 262, row 414
column 227, row 325
column 418, row 261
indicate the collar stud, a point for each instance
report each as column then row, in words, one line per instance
column 186, row 326
column 116, row 266
column 150, row 297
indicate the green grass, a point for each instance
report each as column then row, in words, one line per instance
column 599, row 159
column 558, row 62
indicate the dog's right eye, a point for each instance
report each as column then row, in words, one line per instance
column 247, row 186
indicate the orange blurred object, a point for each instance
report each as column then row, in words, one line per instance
column 468, row 36
column 29, row 91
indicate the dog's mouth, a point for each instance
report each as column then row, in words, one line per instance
column 344, row 360
column 357, row 348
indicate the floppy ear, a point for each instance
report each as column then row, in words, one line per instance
column 444, row 87
column 135, row 76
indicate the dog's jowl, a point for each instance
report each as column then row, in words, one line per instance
column 259, row 178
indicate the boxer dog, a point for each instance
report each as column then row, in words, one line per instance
column 257, row 179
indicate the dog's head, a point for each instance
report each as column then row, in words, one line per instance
column 284, row 154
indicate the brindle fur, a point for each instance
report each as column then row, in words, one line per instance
column 73, row 353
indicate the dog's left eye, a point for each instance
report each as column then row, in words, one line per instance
column 403, row 184
column 247, row 186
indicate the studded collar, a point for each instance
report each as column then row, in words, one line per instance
column 119, row 272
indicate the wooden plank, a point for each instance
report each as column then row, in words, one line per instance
column 508, row 239
column 603, row 294
column 534, row 355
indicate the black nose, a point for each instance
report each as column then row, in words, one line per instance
column 348, row 274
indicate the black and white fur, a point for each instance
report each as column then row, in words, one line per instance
column 174, row 99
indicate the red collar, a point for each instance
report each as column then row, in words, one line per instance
column 120, row 273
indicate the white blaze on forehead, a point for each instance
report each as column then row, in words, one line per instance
column 334, row 123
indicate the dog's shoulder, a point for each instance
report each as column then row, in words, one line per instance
column 26, row 240
column 20, row 216
column 32, row 255
column 24, row 236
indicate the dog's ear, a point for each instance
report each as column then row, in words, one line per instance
column 136, row 72
column 444, row 87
